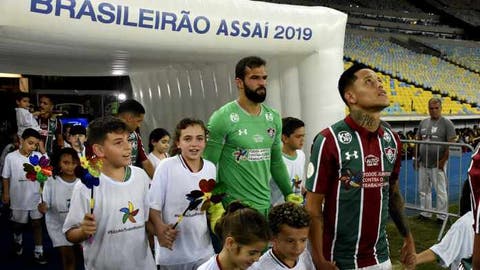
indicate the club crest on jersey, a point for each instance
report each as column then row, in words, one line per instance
column 387, row 137
column 310, row 170
column 269, row 116
column 271, row 132
column 344, row 137
column 240, row 154
column 351, row 180
column 234, row 117
column 371, row 160
column 390, row 153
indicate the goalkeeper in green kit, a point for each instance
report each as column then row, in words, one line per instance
column 244, row 142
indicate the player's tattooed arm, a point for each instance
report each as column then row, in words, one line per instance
column 396, row 210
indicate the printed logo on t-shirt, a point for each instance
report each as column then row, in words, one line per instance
column 234, row 117
column 350, row 179
column 371, row 160
column 129, row 213
column 271, row 132
column 240, row 154
column 344, row 137
column 269, row 116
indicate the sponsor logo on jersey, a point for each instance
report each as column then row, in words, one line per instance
column 258, row 138
column 240, row 154
column 349, row 155
column 344, row 137
column 390, row 153
column 271, row 132
column 242, row 132
column 387, row 137
column 269, row 116
column 349, row 179
column 129, row 213
column 371, row 160
column 234, row 117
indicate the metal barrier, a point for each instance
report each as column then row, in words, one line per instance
column 410, row 176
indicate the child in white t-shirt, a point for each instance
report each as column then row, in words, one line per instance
column 56, row 202
column 293, row 138
column 22, row 194
column 25, row 119
column 188, row 245
column 244, row 233
column 158, row 144
column 290, row 225
column 113, row 234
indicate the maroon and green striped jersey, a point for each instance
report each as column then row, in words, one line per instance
column 353, row 168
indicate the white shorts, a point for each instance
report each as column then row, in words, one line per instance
column 21, row 216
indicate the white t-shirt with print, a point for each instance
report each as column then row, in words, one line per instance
column 171, row 182
column 296, row 171
column 120, row 241
column 211, row 264
column 57, row 194
column 24, row 193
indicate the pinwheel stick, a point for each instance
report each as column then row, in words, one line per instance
column 192, row 205
column 92, row 201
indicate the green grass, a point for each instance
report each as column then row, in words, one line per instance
column 425, row 233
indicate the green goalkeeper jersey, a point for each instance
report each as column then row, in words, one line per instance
column 247, row 151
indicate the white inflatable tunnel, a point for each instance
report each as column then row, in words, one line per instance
column 181, row 54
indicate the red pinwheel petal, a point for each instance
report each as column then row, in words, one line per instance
column 33, row 160
column 206, row 185
column 32, row 176
column 203, row 184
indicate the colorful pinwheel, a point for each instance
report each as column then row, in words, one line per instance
column 89, row 173
column 38, row 169
column 196, row 197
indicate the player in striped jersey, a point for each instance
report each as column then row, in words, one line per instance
column 353, row 170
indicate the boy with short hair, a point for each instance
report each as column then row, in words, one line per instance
column 290, row 225
column 22, row 194
column 293, row 138
column 25, row 119
column 116, row 230
column 76, row 138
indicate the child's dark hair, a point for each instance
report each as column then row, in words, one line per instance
column 57, row 156
column 244, row 224
column 30, row 132
column 289, row 214
column 100, row 127
column 131, row 106
column 290, row 124
column 156, row 135
column 183, row 124
column 465, row 200
column 20, row 95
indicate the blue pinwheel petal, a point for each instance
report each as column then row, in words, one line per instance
column 194, row 204
column 33, row 160
column 44, row 161
column 194, row 194
column 125, row 210
column 90, row 180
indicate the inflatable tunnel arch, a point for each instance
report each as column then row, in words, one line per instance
column 180, row 54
